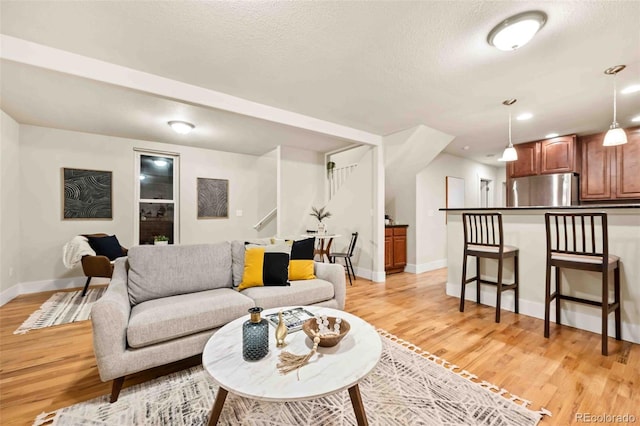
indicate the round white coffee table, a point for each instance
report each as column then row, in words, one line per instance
column 329, row 371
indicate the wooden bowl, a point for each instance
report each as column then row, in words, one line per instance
column 311, row 326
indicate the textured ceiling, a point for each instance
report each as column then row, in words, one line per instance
column 375, row 66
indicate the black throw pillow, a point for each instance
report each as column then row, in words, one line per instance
column 275, row 270
column 106, row 246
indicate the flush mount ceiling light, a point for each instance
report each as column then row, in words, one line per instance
column 181, row 127
column 509, row 153
column 615, row 135
column 516, row 31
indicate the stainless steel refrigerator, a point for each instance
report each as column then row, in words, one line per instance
column 553, row 190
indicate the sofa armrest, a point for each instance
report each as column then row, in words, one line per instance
column 97, row 266
column 109, row 319
column 333, row 273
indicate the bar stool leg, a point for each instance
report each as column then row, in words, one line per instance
column 499, row 287
column 558, row 286
column 516, row 280
column 616, row 292
column 464, row 281
column 547, row 300
column 605, row 311
column 478, row 280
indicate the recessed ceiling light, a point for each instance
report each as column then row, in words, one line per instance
column 466, row 148
column 524, row 116
column 631, row 89
column 516, row 31
column 636, row 119
column 181, row 127
column 552, row 135
column 160, row 163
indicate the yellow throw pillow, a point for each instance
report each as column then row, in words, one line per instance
column 253, row 265
column 301, row 269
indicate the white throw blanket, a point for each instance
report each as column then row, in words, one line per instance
column 73, row 251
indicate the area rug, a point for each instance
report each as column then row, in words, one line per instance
column 62, row 308
column 408, row 387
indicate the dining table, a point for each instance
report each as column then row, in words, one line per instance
column 324, row 244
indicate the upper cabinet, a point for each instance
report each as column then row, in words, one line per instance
column 610, row 173
column 555, row 155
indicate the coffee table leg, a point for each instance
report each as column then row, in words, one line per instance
column 358, row 408
column 217, row 406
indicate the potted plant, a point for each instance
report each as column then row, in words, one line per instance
column 320, row 214
column 160, row 240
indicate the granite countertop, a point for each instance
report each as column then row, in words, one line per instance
column 581, row 207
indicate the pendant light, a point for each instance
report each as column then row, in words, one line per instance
column 615, row 135
column 509, row 153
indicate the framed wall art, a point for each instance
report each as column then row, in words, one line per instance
column 87, row 194
column 213, row 198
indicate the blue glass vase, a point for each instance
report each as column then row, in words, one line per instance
column 255, row 337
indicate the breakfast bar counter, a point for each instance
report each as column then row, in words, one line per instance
column 524, row 228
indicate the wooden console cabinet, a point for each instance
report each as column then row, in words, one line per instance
column 613, row 172
column 395, row 248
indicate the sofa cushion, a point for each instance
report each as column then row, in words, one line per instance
column 161, row 271
column 301, row 263
column 237, row 259
column 264, row 267
column 299, row 293
column 169, row 318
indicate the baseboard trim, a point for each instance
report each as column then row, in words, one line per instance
column 46, row 285
column 425, row 267
column 368, row 274
column 580, row 320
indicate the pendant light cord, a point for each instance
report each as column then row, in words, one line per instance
column 510, row 144
column 614, row 97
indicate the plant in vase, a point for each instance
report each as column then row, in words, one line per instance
column 320, row 214
column 160, row 240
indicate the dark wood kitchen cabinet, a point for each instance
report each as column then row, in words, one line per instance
column 610, row 173
column 555, row 155
column 527, row 162
column 395, row 248
column 558, row 155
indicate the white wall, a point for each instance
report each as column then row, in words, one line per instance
column 9, row 202
column 406, row 154
column 267, row 185
column 44, row 152
column 301, row 182
column 351, row 208
column 431, row 230
column 349, row 156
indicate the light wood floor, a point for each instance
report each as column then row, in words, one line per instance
column 55, row 367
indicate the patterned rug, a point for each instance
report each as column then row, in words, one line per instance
column 62, row 308
column 408, row 387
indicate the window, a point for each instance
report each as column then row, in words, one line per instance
column 157, row 197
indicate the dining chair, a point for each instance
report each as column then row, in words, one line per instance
column 348, row 264
column 581, row 241
column 484, row 238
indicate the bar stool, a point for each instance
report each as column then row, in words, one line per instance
column 572, row 243
column 480, row 241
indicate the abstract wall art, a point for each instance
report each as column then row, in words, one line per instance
column 213, row 198
column 87, row 194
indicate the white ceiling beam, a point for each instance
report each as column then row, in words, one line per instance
column 26, row 52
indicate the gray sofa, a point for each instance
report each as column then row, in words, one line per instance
column 165, row 302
